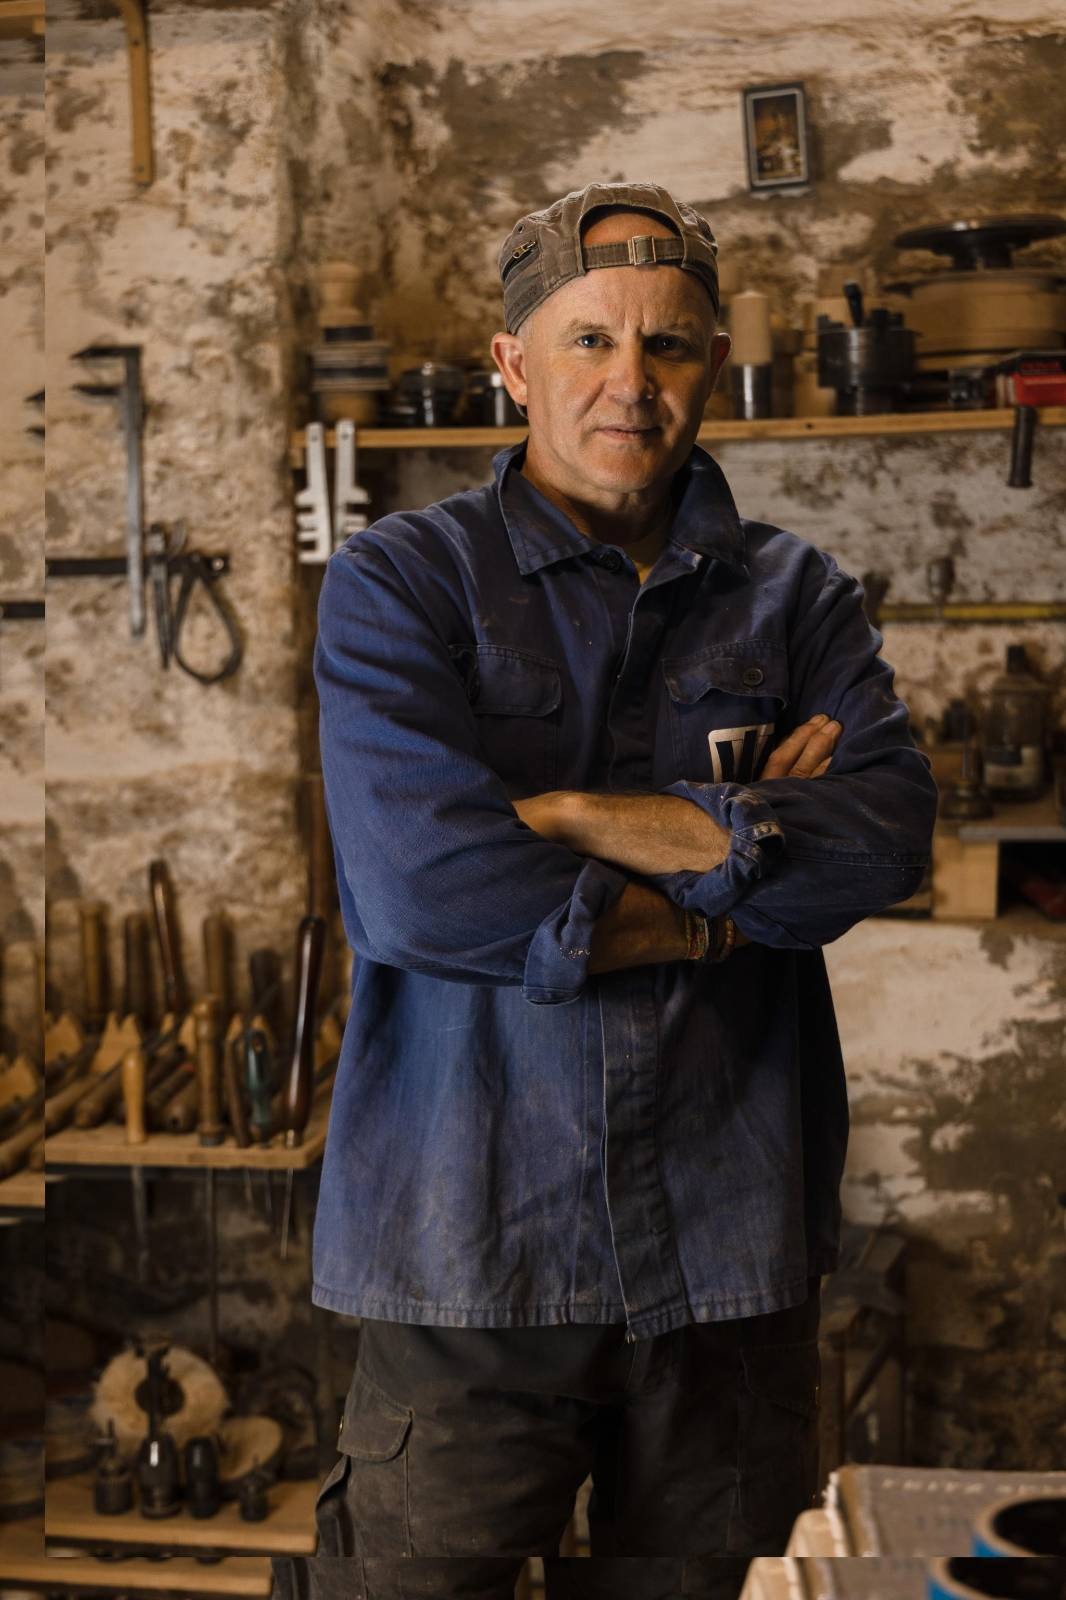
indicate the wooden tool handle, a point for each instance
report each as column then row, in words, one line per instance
column 321, row 879
column 166, row 928
column 180, row 1113
column 208, row 1042
column 13, row 1151
column 137, row 978
column 94, row 1106
column 59, row 1107
column 158, row 1066
column 178, row 1075
column 218, row 964
column 264, row 970
column 96, row 988
column 133, row 1081
column 259, row 1077
column 296, row 1107
column 233, row 1073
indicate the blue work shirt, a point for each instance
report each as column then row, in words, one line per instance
column 514, row 1142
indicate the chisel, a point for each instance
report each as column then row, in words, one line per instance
column 206, row 1013
column 133, row 1089
column 259, row 1079
column 133, row 1093
column 264, row 970
column 14, row 1150
column 178, row 1072
column 168, row 938
column 96, row 986
column 137, row 976
column 232, row 1083
column 296, row 1103
column 218, row 962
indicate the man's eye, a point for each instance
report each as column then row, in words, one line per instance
column 668, row 342
column 594, row 337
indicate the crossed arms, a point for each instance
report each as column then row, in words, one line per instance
column 441, row 874
column 655, row 834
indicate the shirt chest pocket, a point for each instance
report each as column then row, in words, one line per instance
column 516, row 699
column 724, row 707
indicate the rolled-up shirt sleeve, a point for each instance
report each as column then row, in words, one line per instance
column 442, row 876
column 810, row 857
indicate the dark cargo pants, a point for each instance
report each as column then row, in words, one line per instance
column 468, row 1445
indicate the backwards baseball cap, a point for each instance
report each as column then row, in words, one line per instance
column 544, row 250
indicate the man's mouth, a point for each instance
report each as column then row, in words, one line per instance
column 628, row 431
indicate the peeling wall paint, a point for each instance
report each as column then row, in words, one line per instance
column 959, row 1141
column 22, row 643
column 191, row 271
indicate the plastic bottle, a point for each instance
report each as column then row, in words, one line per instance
column 1015, row 731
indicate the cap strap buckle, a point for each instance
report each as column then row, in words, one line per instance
column 641, row 250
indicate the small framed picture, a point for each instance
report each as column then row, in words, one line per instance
column 775, row 131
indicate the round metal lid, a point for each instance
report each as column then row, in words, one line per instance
column 981, row 242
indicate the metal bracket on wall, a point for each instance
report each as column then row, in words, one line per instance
column 21, row 610
column 140, row 91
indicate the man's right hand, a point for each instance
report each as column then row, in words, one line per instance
column 807, row 751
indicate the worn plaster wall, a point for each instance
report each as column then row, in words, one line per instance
column 141, row 762
column 477, row 111
column 21, row 525
column 407, row 136
column 955, row 1039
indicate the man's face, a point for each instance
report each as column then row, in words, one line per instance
column 615, row 369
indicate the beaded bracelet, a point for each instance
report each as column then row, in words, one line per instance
column 727, row 931
column 698, row 932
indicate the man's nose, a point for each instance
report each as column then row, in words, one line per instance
column 630, row 377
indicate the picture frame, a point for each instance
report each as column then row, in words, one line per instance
column 776, row 137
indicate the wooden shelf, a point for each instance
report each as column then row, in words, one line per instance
column 23, row 1560
column 966, row 856
column 106, row 1147
column 69, row 1519
column 21, row 19
column 1025, row 821
column 23, row 1191
column 890, row 425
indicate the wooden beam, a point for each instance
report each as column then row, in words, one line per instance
column 140, row 91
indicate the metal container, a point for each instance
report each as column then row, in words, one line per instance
column 868, row 365
column 435, row 390
column 488, row 404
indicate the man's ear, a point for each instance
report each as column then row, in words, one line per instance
column 721, row 344
column 509, row 354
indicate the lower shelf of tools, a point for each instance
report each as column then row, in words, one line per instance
column 967, row 855
column 70, row 1522
column 22, row 1193
column 26, row 1563
column 107, row 1146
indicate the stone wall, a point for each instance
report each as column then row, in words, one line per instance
column 142, row 762
column 21, row 543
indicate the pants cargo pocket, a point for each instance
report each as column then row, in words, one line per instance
column 332, row 1519
column 777, row 1454
column 375, row 1493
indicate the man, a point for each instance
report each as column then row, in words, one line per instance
column 582, row 1173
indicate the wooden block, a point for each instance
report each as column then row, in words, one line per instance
column 965, row 876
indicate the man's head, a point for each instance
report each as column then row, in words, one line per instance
column 611, row 345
